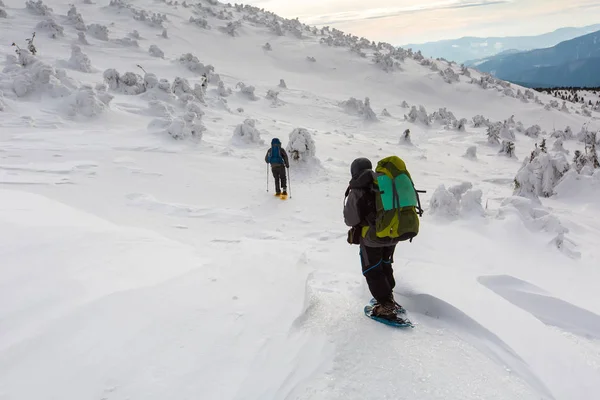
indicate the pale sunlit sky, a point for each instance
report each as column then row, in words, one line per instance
column 403, row 21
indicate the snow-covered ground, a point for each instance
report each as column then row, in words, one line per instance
column 142, row 257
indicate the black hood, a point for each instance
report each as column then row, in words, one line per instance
column 364, row 180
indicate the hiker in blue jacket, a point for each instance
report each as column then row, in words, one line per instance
column 278, row 158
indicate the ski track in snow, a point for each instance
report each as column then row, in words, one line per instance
column 136, row 266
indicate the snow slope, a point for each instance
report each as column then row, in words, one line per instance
column 143, row 258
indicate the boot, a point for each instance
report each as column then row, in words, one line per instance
column 277, row 194
column 385, row 310
column 284, row 192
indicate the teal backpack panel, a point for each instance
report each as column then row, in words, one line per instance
column 404, row 189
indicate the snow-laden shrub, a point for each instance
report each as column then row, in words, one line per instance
column 449, row 76
column 506, row 132
column 79, row 60
column 164, row 34
column 247, row 134
column 458, row 200
column 358, row 107
column 247, row 91
column 558, row 147
column 129, row 83
column 155, row 51
column 564, row 107
column 301, row 147
column 282, row 84
column 385, row 113
column 539, row 174
column 3, row 13
column 187, row 126
column 386, row 62
column 87, row 102
column 533, row 131
column 82, row 39
column 267, row 47
column 404, row 104
column 405, row 138
column 480, row 120
column 508, row 148
column 200, row 22
column 193, row 64
column 184, row 92
column 274, row 97
column 54, row 30
column 135, row 35
column 98, row 31
column 447, row 119
column 127, row 42
column 76, row 19
column 38, row 8
column 311, row 59
column 493, row 133
column 231, row 28
column 28, row 76
column 222, row 90
column 418, row 116
column 471, row 153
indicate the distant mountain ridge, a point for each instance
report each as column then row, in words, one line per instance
column 473, row 48
column 575, row 62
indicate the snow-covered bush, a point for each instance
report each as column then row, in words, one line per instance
column 79, row 60
column 135, row 35
column 54, row 30
column 87, row 102
column 231, row 28
column 540, row 173
column 274, row 97
column 247, row 91
column 247, row 133
column 3, row 13
column 311, row 59
column 459, row 200
column 533, row 131
column 184, row 92
column 76, row 19
column 267, row 47
column 98, row 31
column 301, row 147
column 385, row 113
column 186, row 126
column 35, row 77
column 82, row 39
column 38, row 8
column 358, row 107
column 129, row 83
column 564, row 107
column 127, row 42
column 193, row 64
column 480, row 120
column 404, row 104
column 447, row 119
column 449, row 75
column 164, row 34
column 282, row 84
column 222, row 90
column 559, row 147
column 386, row 62
column 200, row 22
column 506, row 132
column 405, row 138
column 471, row 153
column 493, row 133
column 508, row 148
column 418, row 116
column 155, row 51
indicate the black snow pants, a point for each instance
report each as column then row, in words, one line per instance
column 377, row 269
column 280, row 176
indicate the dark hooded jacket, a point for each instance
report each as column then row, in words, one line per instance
column 360, row 210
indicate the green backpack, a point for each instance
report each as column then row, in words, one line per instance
column 397, row 201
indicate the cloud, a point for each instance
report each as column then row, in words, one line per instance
column 377, row 13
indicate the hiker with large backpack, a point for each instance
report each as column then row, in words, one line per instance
column 382, row 209
column 278, row 158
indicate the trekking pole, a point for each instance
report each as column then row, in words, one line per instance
column 289, row 181
column 267, row 178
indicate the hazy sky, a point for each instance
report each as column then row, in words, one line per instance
column 414, row 21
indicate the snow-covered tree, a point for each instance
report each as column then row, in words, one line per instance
column 247, row 91
column 247, row 133
column 79, row 60
column 480, row 120
column 471, row 153
column 405, row 138
column 558, row 147
column 222, row 90
column 301, row 147
column 419, row 115
column 385, row 113
column 540, row 173
column 508, row 148
column 155, row 51
column 493, row 133
column 267, row 47
column 368, row 112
